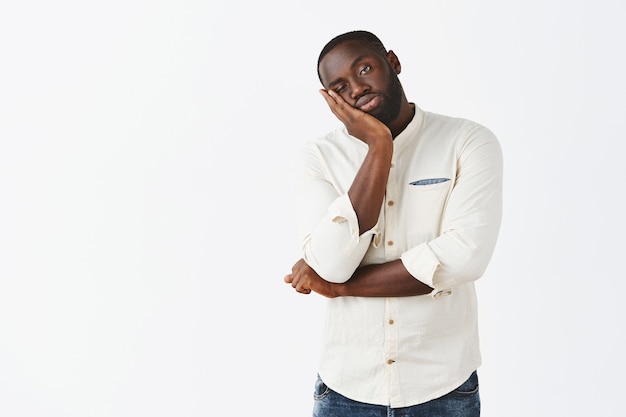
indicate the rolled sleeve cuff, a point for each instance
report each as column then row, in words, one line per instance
column 422, row 264
column 341, row 210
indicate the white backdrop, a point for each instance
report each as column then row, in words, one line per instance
column 145, row 222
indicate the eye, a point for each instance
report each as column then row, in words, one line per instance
column 366, row 69
column 340, row 88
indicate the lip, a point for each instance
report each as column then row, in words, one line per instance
column 368, row 102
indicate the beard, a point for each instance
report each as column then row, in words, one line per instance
column 392, row 101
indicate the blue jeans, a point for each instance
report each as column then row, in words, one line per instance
column 461, row 402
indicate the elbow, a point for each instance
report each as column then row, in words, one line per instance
column 471, row 272
column 336, row 274
column 464, row 270
column 336, row 270
column 334, row 263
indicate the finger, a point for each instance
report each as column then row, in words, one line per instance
column 341, row 108
column 330, row 100
column 303, row 290
column 335, row 101
column 342, row 103
column 327, row 95
column 288, row 278
column 338, row 98
column 299, row 284
column 338, row 103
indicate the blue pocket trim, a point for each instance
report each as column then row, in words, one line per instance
column 429, row 181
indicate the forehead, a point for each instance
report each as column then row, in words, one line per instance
column 342, row 57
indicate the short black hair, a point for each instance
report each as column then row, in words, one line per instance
column 356, row 35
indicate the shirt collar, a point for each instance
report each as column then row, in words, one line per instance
column 412, row 128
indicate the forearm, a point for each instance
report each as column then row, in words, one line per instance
column 390, row 279
column 367, row 191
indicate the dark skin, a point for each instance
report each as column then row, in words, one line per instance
column 355, row 78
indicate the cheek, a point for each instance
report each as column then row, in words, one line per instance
column 382, row 84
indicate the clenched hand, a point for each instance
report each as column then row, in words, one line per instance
column 304, row 279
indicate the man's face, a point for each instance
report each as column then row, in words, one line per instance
column 364, row 79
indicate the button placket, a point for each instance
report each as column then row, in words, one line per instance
column 390, row 213
column 391, row 335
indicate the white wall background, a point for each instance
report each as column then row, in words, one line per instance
column 145, row 224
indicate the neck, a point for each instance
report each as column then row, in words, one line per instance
column 407, row 111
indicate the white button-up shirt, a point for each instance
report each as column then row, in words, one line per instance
column 441, row 217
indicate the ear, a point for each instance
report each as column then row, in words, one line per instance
column 394, row 61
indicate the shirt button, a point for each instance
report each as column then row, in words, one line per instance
column 390, row 243
column 390, row 203
column 391, row 321
column 390, row 361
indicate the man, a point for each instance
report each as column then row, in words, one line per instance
column 400, row 211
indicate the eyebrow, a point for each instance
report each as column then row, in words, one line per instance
column 354, row 63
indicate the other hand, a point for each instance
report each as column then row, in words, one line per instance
column 304, row 280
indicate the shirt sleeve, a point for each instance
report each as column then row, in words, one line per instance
column 329, row 227
column 471, row 220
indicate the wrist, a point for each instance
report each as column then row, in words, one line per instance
column 339, row 290
column 381, row 143
column 381, row 151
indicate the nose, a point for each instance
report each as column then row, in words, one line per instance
column 358, row 89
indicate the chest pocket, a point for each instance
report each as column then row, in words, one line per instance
column 426, row 200
column 429, row 181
